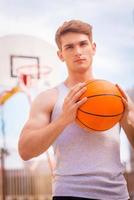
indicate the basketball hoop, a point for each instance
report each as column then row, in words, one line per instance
column 30, row 75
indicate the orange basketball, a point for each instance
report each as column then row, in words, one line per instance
column 104, row 107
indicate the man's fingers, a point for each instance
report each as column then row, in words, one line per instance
column 83, row 100
column 121, row 91
column 76, row 97
column 76, row 89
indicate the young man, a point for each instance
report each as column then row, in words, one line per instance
column 87, row 162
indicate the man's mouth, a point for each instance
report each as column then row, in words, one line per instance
column 80, row 60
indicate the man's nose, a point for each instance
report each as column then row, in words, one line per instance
column 77, row 50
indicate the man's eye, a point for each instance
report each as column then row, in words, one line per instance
column 69, row 47
column 83, row 44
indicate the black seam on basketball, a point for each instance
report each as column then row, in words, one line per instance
column 92, row 96
column 85, row 124
column 104, row 115
column 90, row 127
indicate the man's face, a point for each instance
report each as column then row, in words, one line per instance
column 77, row 51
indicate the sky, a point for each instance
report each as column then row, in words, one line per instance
column 112, row 21
column 113, row 30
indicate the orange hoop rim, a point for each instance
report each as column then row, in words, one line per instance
column 35, row 71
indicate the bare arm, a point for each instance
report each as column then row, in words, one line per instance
column 38, row 133
column 127, row 121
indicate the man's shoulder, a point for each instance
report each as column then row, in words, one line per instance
column 49, row 93
column 48, row 96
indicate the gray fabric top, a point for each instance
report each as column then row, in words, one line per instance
column 87, row 163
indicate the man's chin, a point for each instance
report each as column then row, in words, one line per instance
column 83, row 67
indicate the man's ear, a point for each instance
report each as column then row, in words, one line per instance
column 94, row 48
column 59, row 53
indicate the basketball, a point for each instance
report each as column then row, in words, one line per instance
column 103, row 108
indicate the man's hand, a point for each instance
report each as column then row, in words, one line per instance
column 129, row 106
column 72, row 102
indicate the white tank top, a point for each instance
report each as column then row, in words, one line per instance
column 87, row 163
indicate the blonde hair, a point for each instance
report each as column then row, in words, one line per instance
column 75, row 26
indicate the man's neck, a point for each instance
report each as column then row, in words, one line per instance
column 72, row 80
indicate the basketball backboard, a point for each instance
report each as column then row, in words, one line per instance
column 17, row 61
column 20, row 50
